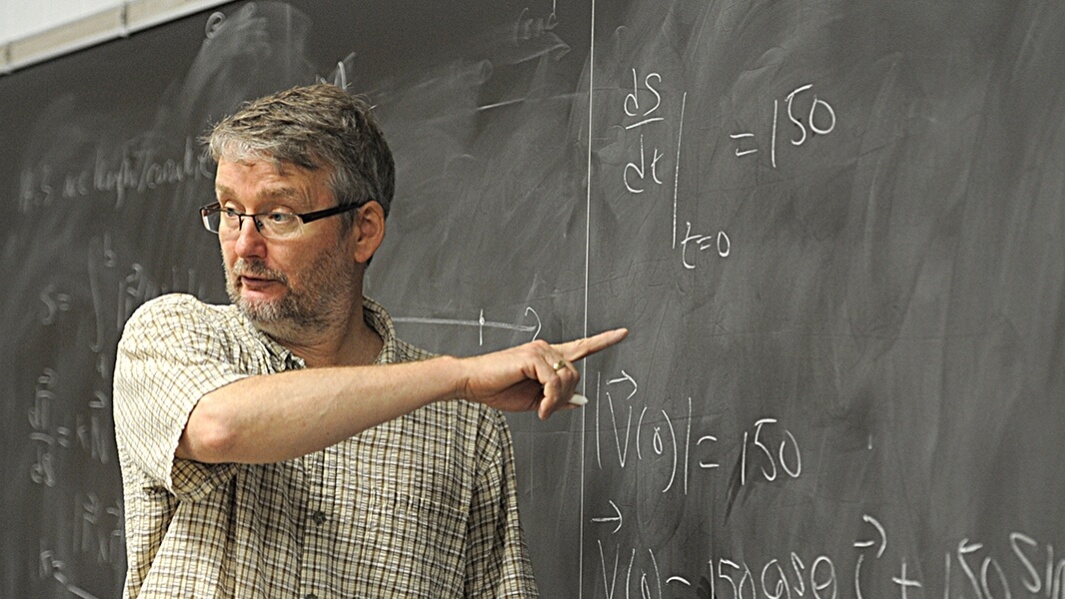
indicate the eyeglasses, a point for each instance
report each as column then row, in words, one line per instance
column 227, row 222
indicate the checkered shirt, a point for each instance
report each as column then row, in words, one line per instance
column 422, row 506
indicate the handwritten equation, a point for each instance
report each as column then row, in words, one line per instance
column 56, row 426
column 643, row 110
column 632, row 429
column 644, row 113
column 69, row 410
column 60, row 422
column 98, row 530
column 818, row 119
column 969, row 569
column 135, row 172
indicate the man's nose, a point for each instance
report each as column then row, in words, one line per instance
column 249, row 242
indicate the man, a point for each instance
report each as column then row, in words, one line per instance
column 250, row 468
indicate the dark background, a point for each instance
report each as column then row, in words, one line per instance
column 836, row 230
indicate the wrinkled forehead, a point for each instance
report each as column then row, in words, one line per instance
column 268, row 178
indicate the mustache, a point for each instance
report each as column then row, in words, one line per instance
column 257, row 269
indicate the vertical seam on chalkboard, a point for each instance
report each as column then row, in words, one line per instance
column 587, row 261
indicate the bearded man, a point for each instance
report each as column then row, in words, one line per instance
column 288, row 444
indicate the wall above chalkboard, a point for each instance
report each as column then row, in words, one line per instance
column 112, row 20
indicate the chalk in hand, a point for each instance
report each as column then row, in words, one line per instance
column 578, row 400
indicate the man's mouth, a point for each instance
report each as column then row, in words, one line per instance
column 255, row 283
column 254, row 276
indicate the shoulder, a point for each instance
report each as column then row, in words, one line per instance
column 177, row 317
column 173, row 305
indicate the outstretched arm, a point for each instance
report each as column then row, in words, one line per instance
column 282, row 416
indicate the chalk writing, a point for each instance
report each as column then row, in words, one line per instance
column 131, row 288
column 101, row 259
column 820, row 576
column 42, row 471
column 820, row 119
column 528, row 27
column 790, row 462
column 138, row 170
column 657, row 434
column 702, row 242
column 98, row 529
column 55, row 425
column 635, row 173
column 481, row 323
column 644, row 109
column 50, row 567
column 616, row 517
column 54, row 302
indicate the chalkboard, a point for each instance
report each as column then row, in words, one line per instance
column 835, row 228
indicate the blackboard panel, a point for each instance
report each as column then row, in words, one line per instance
column 834, row 228
column 860, row 397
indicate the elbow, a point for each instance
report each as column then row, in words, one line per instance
column 210, row 436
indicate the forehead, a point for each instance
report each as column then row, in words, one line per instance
column 269, row 180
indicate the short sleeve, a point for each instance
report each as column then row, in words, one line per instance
column 170, row 355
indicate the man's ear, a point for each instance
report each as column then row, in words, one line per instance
column 369, row 231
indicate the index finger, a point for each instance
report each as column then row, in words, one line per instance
column 581, row 348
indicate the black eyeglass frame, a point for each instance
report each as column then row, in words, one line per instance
column 306, row 217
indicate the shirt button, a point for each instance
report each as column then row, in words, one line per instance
column 310, row 596
column 319, row 519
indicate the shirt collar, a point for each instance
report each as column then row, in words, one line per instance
column 375, row 315
column 378, row 318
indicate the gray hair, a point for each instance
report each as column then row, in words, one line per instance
column 314, row 127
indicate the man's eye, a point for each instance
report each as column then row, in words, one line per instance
column 230, row 213
column 280, row 218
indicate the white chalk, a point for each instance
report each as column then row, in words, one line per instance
column 578, row 400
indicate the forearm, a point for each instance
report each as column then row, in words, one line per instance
column 283, row 416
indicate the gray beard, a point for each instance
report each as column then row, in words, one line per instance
column 323, row 303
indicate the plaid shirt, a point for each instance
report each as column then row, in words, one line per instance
column 422, row 506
